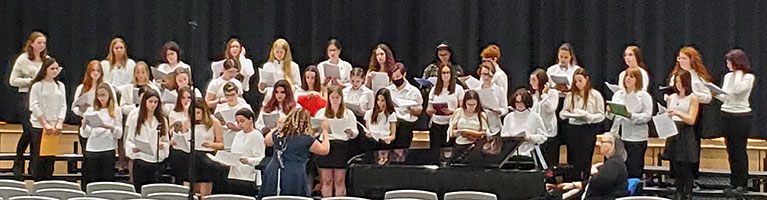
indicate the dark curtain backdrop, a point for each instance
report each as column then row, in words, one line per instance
column 528, row 32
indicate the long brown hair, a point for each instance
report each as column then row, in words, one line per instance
column 30, row 50
column 686, row 78
column 632, row 72
column 440, row 85
column 316, row 86
column 180, row 95
column 739, row 60
column 206, row 119
column 288, row 104
column 567, row 47
column 88, row 80
column 297, row 122
column 542, row 80
column 376, row 109
column 696, row 63
column 110, row 102
column 177, row 72
column 329, row 112
column 111, row 55
column 47, row 62
column 585, row 92
column 142, row 112
column 479, row 111
column 637, row 55
column 286, row 61
column 373, row 65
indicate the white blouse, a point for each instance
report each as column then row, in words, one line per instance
column 99, row 138
column 126, row 97
column 48, row 100
column 118, row 76
column 461, row 121
column 24, row 70
column 500, row 79
column 525, row 124
column 591, row 112
column 362, row 96
column 738, row 86
column 679, row 104
column 344, row 67
column 409, row 92
column 645, row 78
column 381, row 128
column 494, row 119
column 349, row 121
column 216, row 87
column 639, row 104
column 546, row 107
column 562, row 70
column 148, row 134
column 165, row 67
column 246, row 70
column 91, row 95
column 279, row 74
column 251, row 146
column 445, row 97
column 225, row 107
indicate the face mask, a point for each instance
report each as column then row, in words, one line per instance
column 399, row 82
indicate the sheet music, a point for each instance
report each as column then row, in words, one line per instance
column 438, row 106
column 380, row 80
column 487, row 98
column 714, row 88
column 266, row 77
column 229, row 139
column 144, row 147
column 613, row 87
column 337, row 127
column 168, row 97
column 158, row 74
column 136, row 96
column 404, row 102
column 472, row 82
column 353, row 106
column 270, row 120
column 560, row 80
column 331, row 70
column 85, row 99
column 316, row 122
column 575, row 114
column 661, row 109
column 228, row 116
column 664, row 125
column 96, row 118
column 181, row 142
column 227, row 158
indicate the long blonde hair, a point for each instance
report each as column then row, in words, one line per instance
column 110, row 103
column 111, row 55
column 286, row 62
column 297, row 122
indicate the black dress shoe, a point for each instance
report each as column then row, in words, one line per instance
column 18, row 170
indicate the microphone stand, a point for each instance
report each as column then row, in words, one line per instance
column 192, row 158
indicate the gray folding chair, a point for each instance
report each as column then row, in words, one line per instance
column 411, row 194
column 8, row 192
column 227, row 197
column 54, row 184
column 344, row 198
column 163, row 188
column 98, row 186
column 170, row 196
column 115, row 194
column 286, row 198
column 87, row 198
column 60, row 193
column 32, row 198
column 469, row 195
column 13, row 184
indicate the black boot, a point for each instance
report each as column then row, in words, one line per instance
column 18, row 170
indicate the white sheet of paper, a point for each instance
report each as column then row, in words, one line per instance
column 661, row 109
column 337, row 127
column 84, row 99
column 714, row 88
column 270, row 120
column 353, row 106
column 316, row 122
column 433, row 80
column 574, row 114
column 227, row 158
column 560, row 80
column 181, row 142
column 380, row 80
column 664, row 125
column 364, row 129
column 228, row 139
column 404, row 102
column 144, row 147
column 136, row 96
column 487, row 98
column 96, row 118
column 266, row 77
column 158, row 74
column 613, row 87
column 228, row 116
column 168, row 97
column 331, row 70
column 472, row 82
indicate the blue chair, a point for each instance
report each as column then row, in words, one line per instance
column 633, row 185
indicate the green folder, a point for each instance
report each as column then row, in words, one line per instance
column 618, row 108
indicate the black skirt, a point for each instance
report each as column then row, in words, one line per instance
column 205, row 169
column 338, row 156
column 684, row 146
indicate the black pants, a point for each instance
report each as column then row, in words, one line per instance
column 737, row 128
column 437, row 140
column 635, row 158
column 550, row 149
column 246, row 188
column 146, row 173
column 99, row 166
column 41, row 166
column 684, row 176
column 26, row 135
column 581, row 140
